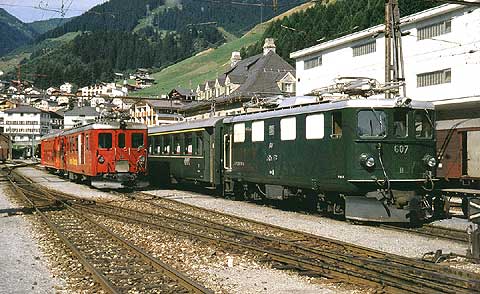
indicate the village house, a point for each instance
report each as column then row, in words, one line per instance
column 79, row 115
column 66, row 88
column 253, row 79
column 155, row 112
column 104, row 89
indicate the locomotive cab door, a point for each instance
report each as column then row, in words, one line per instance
column 337, row 145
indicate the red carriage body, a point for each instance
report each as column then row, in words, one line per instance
column 109, row 154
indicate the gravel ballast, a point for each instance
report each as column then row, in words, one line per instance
column 22, row 264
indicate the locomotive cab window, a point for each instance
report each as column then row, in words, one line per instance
column 371, row 123
column 336, row 125
column 400, row 123
column 423, row 125
column 137, row 140
column 121, row 140
column 105, row 140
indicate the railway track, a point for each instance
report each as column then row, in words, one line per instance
column 311, row 254
column 434, row 231
column 117, row 265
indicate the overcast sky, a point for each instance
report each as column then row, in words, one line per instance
column 28, row 10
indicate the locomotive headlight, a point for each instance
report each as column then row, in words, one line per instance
column 101, row 159
column 141, row 159
column 367, row 160
column 430, row 161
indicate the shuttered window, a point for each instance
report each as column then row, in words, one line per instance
column 364, row 49
column 312, row 62
column 434, row 30
column 438, row 77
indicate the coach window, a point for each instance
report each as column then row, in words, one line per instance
column 199, row 143
column 336, row 125
column 157, row 144
column 87, row 142
column 151, row 141
column 176, row 144
column 188, row 143
column 258, row 131
column 105, row 140
column 167, row 142
column 137, row 140
column 121, row 140
column 288, row 129
column 314, row 127
column 239, row 133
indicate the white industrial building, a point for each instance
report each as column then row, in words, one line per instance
column 441, row 50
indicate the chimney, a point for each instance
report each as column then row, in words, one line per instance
column 269, row 46
column 236, row 57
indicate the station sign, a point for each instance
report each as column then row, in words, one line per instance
column 474, row 210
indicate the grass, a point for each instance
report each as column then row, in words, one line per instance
column 204, row 66
column 208, row 64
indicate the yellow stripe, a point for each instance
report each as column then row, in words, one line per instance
column 176, row 156
column 177, row 132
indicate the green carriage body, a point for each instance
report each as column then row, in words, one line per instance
column 186, row 152
column 314, row 151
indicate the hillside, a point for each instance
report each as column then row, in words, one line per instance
column 14, row 33
column 43, row 26
column 208, row 64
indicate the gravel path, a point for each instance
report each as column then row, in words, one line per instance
column 22, row 264
column 401, row 243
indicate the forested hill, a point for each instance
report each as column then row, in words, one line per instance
column 324, row 22
column 14, row 33
column 173, row 15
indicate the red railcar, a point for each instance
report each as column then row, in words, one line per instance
column 107, row 154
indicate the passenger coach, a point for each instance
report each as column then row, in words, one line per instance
column 107, row 154
column 366, row 159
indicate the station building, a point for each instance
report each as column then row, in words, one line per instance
column 441, row 49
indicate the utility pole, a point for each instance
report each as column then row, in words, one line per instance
column 394, row 66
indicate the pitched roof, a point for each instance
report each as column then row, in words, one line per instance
column 260, row 74
column 78, row 111
column 24, row 109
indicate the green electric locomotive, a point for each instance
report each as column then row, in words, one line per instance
column 366, row 159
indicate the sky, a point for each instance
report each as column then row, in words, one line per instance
column 30, row 10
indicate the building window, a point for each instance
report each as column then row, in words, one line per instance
column 239, row 133
column 288, row 87
column 364, row 49
column 314, row 126
column 434, row 30
column 312, row 62
column 438, row 77
column 288, row 129
column 258, row 131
